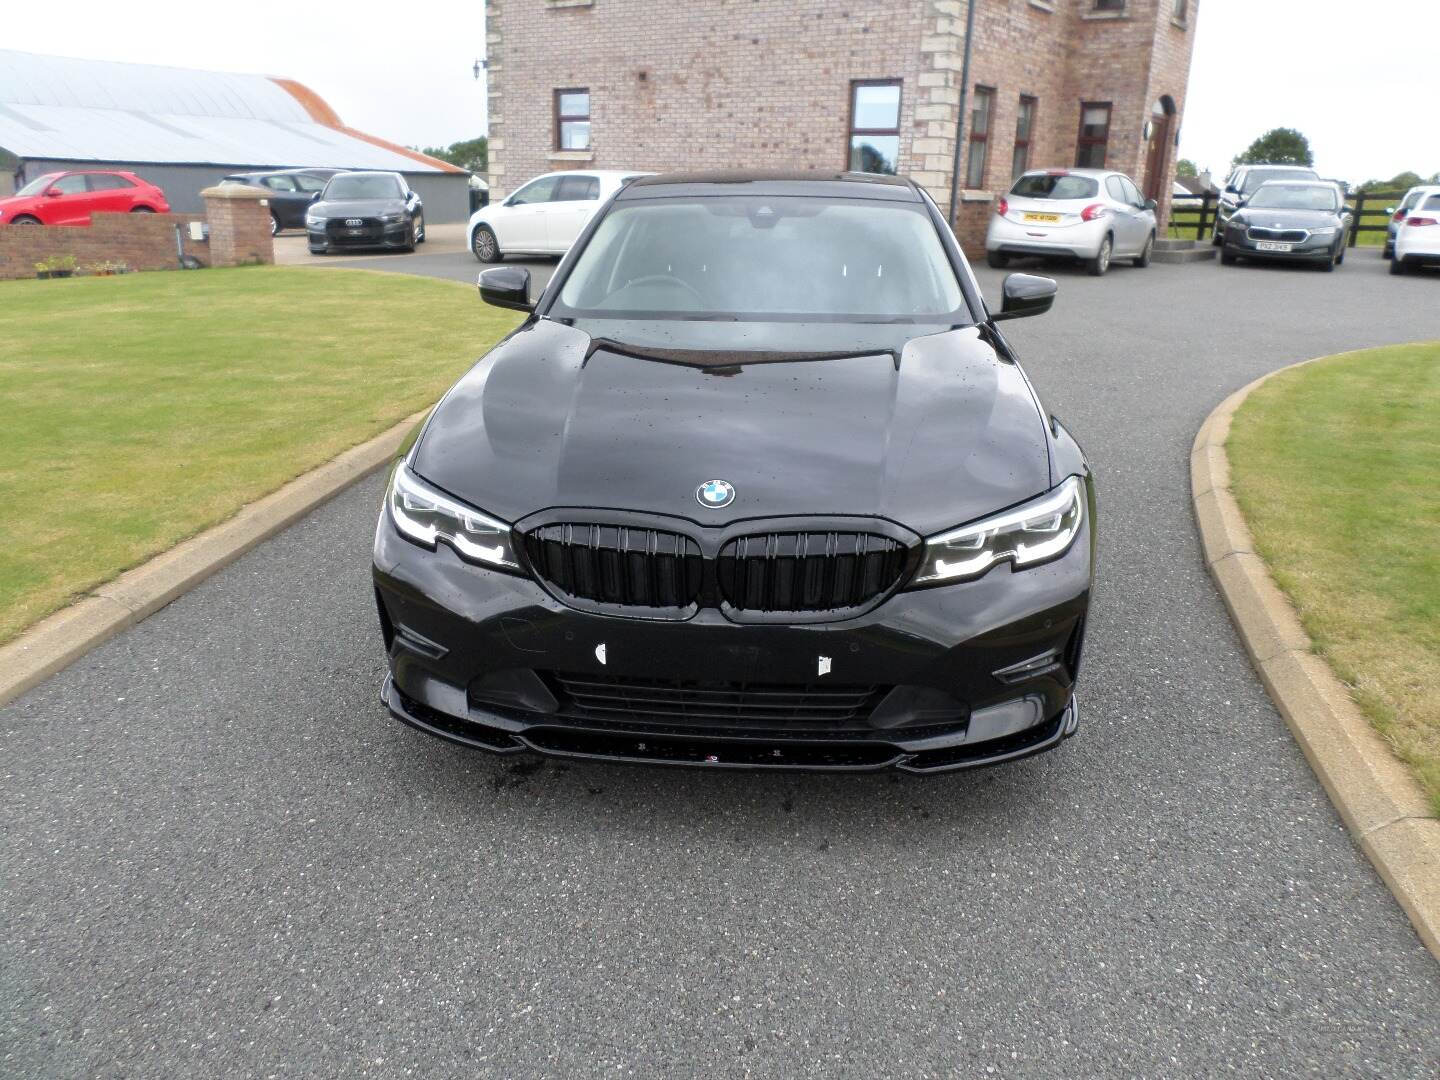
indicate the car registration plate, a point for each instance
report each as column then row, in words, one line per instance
column 355, row 232
column 1043, row 219
column 1271, row 245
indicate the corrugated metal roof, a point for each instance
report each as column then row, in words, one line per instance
column 58, row 108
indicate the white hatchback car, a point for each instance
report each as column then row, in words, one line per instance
column 545, row 216
column 1093, row 215
column 1417, row 240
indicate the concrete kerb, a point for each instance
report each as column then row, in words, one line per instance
column 62, row 638
column 1379, row 801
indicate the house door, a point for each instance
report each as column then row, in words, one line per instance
column 1155, row 162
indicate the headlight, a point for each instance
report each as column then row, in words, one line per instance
column 1323, row 232
column 1041, row 530
column 426, row 516
column 1237, row 223
column 314, row 222
column 391, row 219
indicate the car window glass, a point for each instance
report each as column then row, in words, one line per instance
column 70, row 185
column 350, row 186
column 1256, row 177
column 280, row 183
column 1432, row 203
column 577, row 188
column 537, row 191
column 1295, row 197
column 310, row 183
column 1055, row 186
column 1115, row 189
column 755, row 258
column 1132, row 193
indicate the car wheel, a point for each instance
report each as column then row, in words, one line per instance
column 1397, row 266
column 997, row 260
column 1101, row 262
column 420, row 229
column 142, row 210
column 1143, row 259
column 485, row 246
column 1228, row 257
column 1340, row 259
column 274, row 225
column 26, row 219
column 1389, row 251
column 1216, row 238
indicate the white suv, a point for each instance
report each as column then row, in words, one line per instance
column 544, row 216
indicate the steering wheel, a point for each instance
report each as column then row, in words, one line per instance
column 667, row 279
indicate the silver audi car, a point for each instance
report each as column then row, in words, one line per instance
column 1093, row 215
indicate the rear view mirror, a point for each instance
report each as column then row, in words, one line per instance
column 1026, row 295
column 506, row 287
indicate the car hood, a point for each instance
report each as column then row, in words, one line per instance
column 936, row 433
column 1268, row 217
column 18, row 202
column 357, row 207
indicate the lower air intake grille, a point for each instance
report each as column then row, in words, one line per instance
column 615, row 564
column 808, row 571
column 688, row 703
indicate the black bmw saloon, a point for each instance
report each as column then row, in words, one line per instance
column 758, row 482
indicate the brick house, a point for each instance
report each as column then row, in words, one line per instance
column 836, row 84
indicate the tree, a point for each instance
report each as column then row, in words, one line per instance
column 472, row 154
column 1403, row 182
column 1186, row 167
column 1278, row 146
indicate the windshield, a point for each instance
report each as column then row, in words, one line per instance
column 750, row 258
column 363, row 187
column 1053, row 186
column 1254, row 178
column 39, row 184
column 1295, row 197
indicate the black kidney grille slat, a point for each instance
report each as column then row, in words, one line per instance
column 811, row 571
column 612, row 564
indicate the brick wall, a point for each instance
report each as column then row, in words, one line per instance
column 143, row 241
column 761, row 83
column 239, row 233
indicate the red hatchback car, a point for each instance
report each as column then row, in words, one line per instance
column 69, row 198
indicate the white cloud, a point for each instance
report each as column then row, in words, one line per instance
column 1357, row 80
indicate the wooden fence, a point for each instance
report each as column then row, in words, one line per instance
column 1195, row 215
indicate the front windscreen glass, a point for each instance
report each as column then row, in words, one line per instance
column 1254, row 178
column 750, row 258
column 39, row 184
column 1285, row 197
column 1055, row 186
column 363, row 187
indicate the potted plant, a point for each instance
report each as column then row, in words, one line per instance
column 61, row 266
column 42, row 272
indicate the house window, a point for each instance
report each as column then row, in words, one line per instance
column 980, row 113
column 1094, row 134
column 874, row 126
column 1109, row 5
column 1024, row 125
column 572, row 119
column 1182, row 9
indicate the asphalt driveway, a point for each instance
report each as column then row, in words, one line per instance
column 220, row 858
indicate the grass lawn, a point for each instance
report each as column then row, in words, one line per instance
column 140, row 410
column 1337, row 468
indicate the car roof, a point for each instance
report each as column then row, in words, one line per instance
column 1092, row 173
column 772, row 182
column 1299, row 183
column 1252, row 168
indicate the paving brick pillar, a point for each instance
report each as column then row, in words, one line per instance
column 239, row 218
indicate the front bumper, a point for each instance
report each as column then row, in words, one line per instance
column 953, row 677
column 1314, row 248
column 394, row 235
column 1072, row 242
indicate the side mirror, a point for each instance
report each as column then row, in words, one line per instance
column 1389, row 209
column 53, row 193
column 1026, row 295
column 1151, row 204
column 316, row 196
column 506, row 287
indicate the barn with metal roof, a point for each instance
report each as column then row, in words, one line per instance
column 183, row 129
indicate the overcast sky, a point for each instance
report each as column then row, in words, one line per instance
column 402, row 70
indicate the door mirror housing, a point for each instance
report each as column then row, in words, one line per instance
column 53, row 193
column 1151, row 204
column 315, row 196
column 506, row 287
column 1026, row 295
